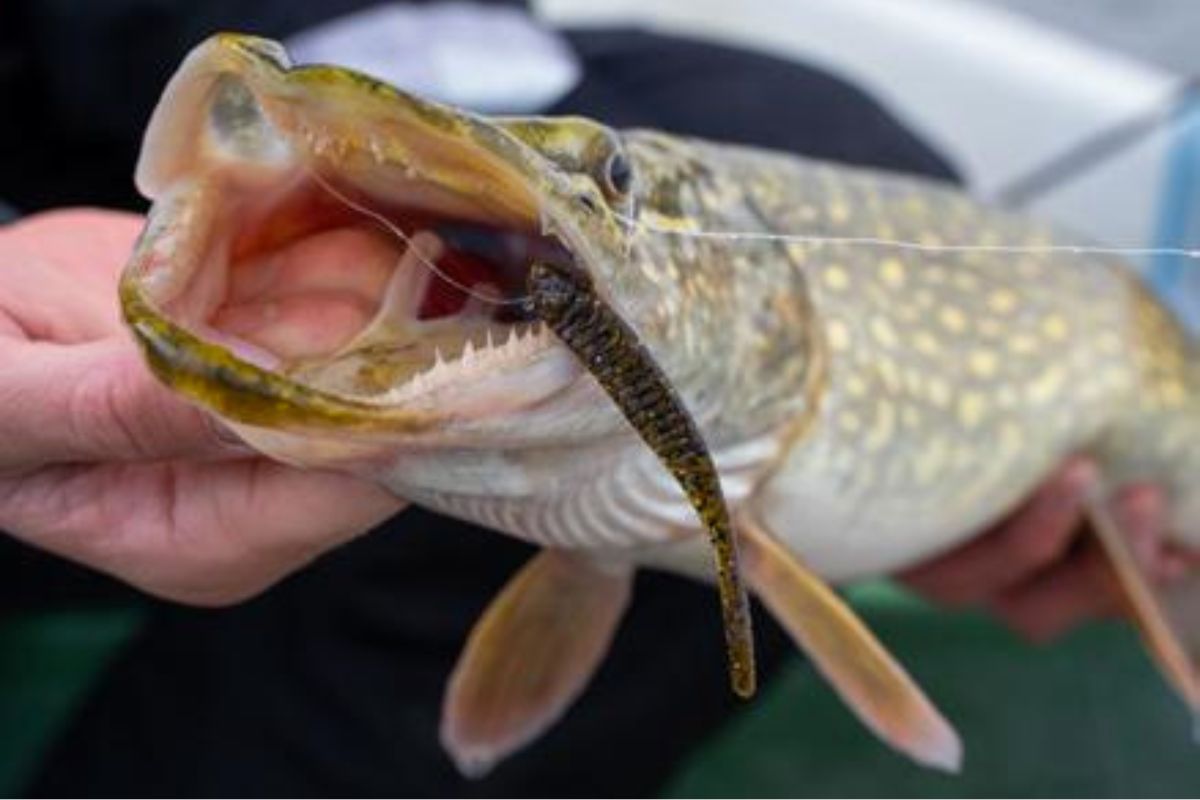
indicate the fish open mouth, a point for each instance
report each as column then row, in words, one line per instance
column 370, row 296
column 378, row 264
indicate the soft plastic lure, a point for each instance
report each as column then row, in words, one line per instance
column 609, row 348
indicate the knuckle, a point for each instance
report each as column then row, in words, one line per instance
column 1043, row 538
column 96, row 417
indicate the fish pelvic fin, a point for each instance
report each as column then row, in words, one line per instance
column 530, row 656
column 868, row 679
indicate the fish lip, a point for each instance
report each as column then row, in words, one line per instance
column 234, row 387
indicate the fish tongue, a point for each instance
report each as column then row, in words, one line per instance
column 396, row 323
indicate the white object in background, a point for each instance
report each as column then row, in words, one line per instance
column 481, row 57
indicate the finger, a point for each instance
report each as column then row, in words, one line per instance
column 57, row 273
column 92, row 402
column 1051, row 603
column 1038, row 534
column 96, row 241
column 1139, row 511
column 196, row 532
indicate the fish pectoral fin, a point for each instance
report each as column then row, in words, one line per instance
column 844, row 650
column 1164, row 618
column 530, row 656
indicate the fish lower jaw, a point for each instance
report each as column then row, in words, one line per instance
column 511, row 368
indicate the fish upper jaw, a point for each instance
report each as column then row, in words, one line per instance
column 253, row 164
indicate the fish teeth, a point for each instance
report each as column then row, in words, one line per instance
column 490, row 344
column 468, row 353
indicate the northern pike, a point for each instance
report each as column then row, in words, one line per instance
column 858, row 407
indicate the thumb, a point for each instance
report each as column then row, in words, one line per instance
column 93, row 402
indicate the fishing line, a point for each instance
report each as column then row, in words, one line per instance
column 813, row 240
column 905, row 244
column 399, row 233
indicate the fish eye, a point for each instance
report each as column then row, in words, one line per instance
column 618, row 174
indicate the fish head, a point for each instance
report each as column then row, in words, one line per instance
column 331, row 263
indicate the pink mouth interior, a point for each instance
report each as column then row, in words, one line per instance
column 309, row 272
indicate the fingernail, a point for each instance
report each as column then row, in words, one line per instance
column 1079, row 477
column 228, row 441
column 1073, row 484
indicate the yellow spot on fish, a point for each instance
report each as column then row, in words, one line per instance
column 839, row 212
column 856, row 386
column 910, row 417
column 838, row 335
column 1173, row 393
column 983, row 363
column 931, row 459
column 914, row 381
column 891, row 270
column 1006, row 396
column 1002, row 301
column 939, row 392
column 1055, row 327
column 850, row 422
column 1022, row 344
column 797, row 252
column 889, row 374
column 966, row 281
column 885, row 425
column 971, row 408
column 881, row 328
column 1115, row 377
column 926, row 343
column 836, row 278
column 952, row 319
column 1046, row 386
column 1011, row 437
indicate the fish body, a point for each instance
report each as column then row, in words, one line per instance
column 890, row 402
column 866, row 405
column 951, row 382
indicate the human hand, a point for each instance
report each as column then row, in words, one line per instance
column 102, row 465
column 1039, row 572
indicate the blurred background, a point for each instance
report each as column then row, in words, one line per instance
column 1081, row 110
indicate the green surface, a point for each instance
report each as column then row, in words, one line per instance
column 1085, row 717
column 47, row 661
